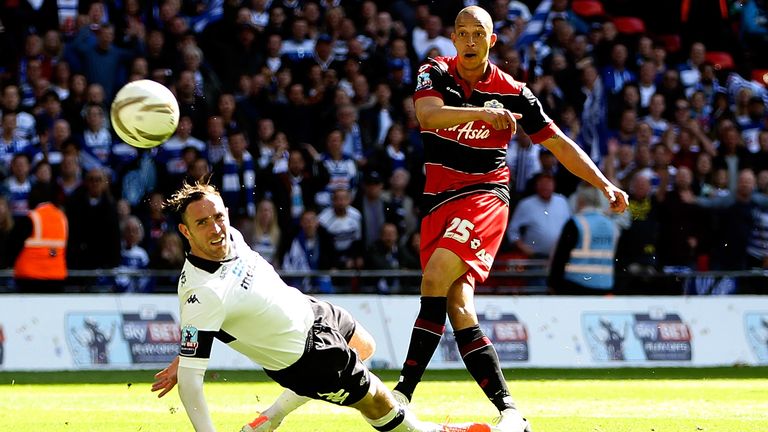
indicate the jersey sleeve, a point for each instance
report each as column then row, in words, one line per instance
column 535, row 121
column 429, row 79
column 202, row 314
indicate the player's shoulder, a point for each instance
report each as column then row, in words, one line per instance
column 504, row 82
column 237, row 239
column 206, row 293
column 440, row 64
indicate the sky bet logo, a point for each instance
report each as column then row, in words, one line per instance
column 637, row 336
column 668, row 338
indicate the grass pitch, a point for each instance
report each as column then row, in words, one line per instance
column 597, row 400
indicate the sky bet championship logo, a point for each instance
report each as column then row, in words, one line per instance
column 146, row 337
column 508, row 334
column 637, row 336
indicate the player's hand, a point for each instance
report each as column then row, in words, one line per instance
column 166, row 379
column 617, row 198
column 500, row 118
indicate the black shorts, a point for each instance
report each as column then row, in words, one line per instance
column 329, row 369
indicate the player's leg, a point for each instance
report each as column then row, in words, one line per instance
column 288, row 401
column 489, row 217
column 475, row 347
column 269, row 420
column 442, row 269
column 381, row 411
column 362, row 342
column 479, row 355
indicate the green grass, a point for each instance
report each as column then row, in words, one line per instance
column 591, row 400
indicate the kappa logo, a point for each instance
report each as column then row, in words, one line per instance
column 193, row 299
column 338, row 397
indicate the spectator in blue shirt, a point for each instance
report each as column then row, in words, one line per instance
column 102, row 62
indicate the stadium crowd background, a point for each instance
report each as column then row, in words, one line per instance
column 302, row 112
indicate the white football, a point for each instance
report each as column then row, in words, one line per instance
column 144, row 113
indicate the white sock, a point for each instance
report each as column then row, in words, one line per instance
column 409, row 422
column 286, row 403
column 388, row 417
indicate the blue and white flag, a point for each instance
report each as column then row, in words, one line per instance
column 214, row 11
column 536, row 27
column 736, row 82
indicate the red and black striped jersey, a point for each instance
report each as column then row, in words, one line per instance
column 471, row 157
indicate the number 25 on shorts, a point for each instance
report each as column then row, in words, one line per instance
column 459, row 230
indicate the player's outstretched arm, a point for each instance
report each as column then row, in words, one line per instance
column 166, row 379
column 577, row 162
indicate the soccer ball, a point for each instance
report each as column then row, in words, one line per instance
column 144, row 113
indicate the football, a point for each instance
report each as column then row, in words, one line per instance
column 144, row 113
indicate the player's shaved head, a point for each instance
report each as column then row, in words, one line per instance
column 475, row 13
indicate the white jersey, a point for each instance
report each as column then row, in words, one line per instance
column 243, row 302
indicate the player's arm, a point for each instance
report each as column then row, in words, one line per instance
column 543, row 131
column 201, row 320
column 193, row 398
column 434, row 114
column 577, row 162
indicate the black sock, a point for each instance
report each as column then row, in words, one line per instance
column 427, row 331
column 483, row 364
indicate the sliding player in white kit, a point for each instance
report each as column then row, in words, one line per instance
column 310, row 347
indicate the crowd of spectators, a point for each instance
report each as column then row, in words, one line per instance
column 301, row 113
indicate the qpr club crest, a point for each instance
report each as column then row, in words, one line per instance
column 423, row 81
column 493, row 103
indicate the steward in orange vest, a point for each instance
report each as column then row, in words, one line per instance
column 40, row 264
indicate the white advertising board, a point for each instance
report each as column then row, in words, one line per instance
column 142, row 331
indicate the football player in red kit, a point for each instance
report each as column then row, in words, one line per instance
column 468, row 110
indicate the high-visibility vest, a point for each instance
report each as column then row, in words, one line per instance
column 44, row 254
column 591, row 261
